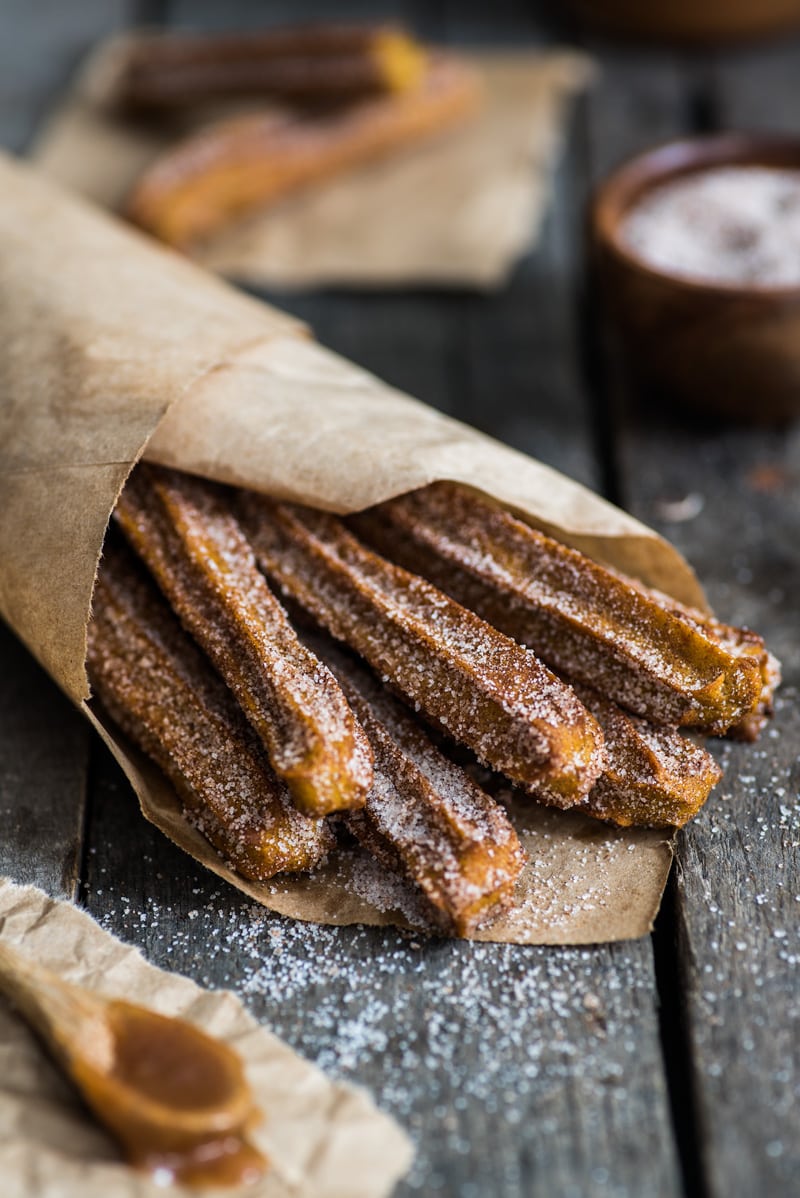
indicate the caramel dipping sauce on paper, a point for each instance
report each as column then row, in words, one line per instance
column 176, row 1099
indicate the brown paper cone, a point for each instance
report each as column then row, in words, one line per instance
column 116, row 347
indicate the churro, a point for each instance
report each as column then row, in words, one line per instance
column 247, row 162
column 654, row 775
column 583, row 619
column 183, row 529
column 740, row 642
column 481, row 687
column 157, row 686
column 424, row 816
column 312, row 63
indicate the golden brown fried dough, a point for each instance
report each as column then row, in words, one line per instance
column 583, row 619
column 488, row 692
column 184, row 531
column 424, row 816
column 248, row 162
column 312, row 63
column 654, row 776
column 740, row 642
column 162, row 692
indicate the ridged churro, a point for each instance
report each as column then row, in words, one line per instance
column 247, row 162
column 740, row 642
column 594, row 728
column 156, row 684
column 311, row 63
column 583, row 619
column 184, row 531
column 424, row 816
column 488, row 692
column 654, row 776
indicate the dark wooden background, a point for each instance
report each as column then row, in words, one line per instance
column 663, row 1067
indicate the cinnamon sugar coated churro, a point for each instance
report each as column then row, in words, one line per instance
column 249, row 161
column 424, row 816
column 185, row 532
column 654, row 775
column 304, row 63
column 488, row 692
column 348, row 736
column 583, row 619
column 740, row 642
column 162, row 692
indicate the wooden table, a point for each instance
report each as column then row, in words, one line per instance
column 666, row 1066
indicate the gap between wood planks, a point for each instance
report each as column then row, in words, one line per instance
column 603, row 380
column 80, row 893
column 676, row 1042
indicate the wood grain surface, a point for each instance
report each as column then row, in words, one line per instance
column 730, row 500
column 657, row 1068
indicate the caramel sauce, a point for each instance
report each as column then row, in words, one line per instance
column 171, row 1062
column 233, row 1161
column 176, row 1099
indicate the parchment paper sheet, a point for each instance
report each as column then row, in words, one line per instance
column 111, row 345
column 324, row 1139
column 457, row 210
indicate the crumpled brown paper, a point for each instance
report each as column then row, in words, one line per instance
column 485, row 186
column 323, row 1139
column 113, row 346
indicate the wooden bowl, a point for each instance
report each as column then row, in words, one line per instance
column 730, row 348
column 694, row 21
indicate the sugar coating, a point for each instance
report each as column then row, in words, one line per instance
column 487, row 691
column 161, row 691
column 583, row 619
column 424, row 816
column 654, row 776
column 185, row 531
column 726, row 224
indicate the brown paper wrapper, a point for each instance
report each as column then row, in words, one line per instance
column 114, row 347
column 323, row 1139
column 486, row 185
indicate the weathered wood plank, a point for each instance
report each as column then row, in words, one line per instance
column 515, row 369
column 757, row 88
column 740, row 869
column 742, row 970
column 466, row 23
column 405, row 336
column 739, row 876
column 39, row 48
column 43, row 764
column 639, row 97
column 249, row 16
column 738, row 894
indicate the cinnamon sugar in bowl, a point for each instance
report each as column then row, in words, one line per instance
column 695, row 249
